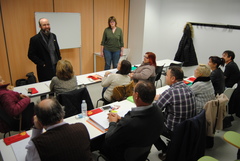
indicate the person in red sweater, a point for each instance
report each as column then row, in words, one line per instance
column 12, row 104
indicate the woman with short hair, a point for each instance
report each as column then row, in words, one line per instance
column 202, row 86
column 64, row 81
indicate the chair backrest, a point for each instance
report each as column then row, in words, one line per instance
column 176, row 64
column 188, row 139
column 122, row 92
column 229, row 91
column 22, row 122
column 215, row 113
column 158, row 71
column 72, row 101
column 137, row 153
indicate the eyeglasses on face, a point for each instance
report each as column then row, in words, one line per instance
column 146, row 57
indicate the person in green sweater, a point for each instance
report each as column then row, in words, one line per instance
column 112, row 43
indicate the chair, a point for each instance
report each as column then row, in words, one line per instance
column 215, row 113
column 207, row 158
column 72, row 101
column 188, row 139
column 233, row 138
column 229, row 91
column 20, row 123
column 132, row 154
column 158, row 71
column 176, row 64
column 172, row 64
column 137, row 153
column 105, row 102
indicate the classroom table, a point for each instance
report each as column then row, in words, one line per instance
column 43, row 87
column 9, row 153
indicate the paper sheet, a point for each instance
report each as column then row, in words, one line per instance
column 19, row 149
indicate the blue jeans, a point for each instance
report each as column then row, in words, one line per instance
column 111, row 57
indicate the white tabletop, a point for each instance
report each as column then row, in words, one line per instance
column 8, row 153
column 166, row 62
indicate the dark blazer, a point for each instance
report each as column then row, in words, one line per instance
column 135, row 129
column 38, row 52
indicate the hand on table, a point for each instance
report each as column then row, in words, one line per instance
column 113, row 117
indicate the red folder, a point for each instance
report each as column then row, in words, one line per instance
column 12, row 139
column 32, row 90
column 94, row 111
column 95, row 77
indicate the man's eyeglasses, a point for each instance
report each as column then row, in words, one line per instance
column 146, row 57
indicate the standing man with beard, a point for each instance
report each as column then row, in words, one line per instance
column 44, row 51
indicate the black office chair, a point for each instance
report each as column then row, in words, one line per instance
column 72, row 101
column 191, row 135
column 105, row 102
column 158, row 71
column 132, row 154
column 176, row 64
column 19, row 123
column 172, row 64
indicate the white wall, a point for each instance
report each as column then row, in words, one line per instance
column 164, row 21
column 135, row 39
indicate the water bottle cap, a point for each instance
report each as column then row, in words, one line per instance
column 83, row 101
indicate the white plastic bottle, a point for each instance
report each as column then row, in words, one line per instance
column 84, row 108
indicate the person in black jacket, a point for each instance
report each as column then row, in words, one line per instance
column 217, row 76
column 231, row 72
column 44, row 51
column 140, row 127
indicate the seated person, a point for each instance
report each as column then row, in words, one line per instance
column 112, row 80
column 147, row 69
column 64, row 81
column 217, row 76
column 202, row 86
column 14, row 104
column 178, row 102
column 61, row 141
column 140, row 127
column 231, row 72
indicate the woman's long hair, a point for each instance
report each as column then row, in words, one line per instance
column 152, row 58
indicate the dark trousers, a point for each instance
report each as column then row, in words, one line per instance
column 160, row 144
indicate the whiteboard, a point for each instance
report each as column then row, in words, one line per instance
column 66, row 26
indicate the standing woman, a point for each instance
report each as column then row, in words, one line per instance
column 147, row 69
column 217, row 75
column 112, row 43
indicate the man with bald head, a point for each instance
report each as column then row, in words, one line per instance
column 44, row 51
column 61, row 141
